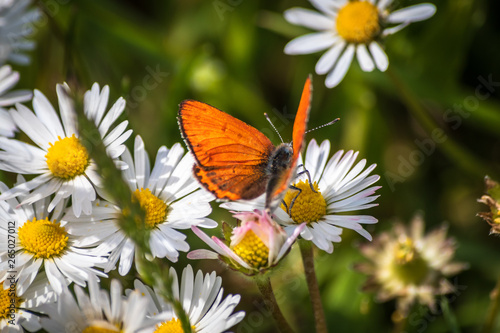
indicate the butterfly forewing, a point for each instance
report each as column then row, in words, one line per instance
column 231, row 156
column 275, row 192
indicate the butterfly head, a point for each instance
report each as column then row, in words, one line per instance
column 280, row 159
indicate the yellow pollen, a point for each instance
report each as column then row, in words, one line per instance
column 156, row 210
column 171, row 326
column 252, row 250
column 67, row 158
column 358, row 22
column 43, row 238
column 309, row 206
column 8, row 297
column 408, row 265
column 99, row 329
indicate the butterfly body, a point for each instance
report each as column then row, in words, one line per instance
column 235, row 160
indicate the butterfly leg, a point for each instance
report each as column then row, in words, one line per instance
column 289, row 210
column 308, row 177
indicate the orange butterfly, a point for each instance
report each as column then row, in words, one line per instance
column 236, row 161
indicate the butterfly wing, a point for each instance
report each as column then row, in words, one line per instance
column 280, row 183
column 231, row 155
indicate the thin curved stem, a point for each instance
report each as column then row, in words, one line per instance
column 306, row 251
column 266, row 290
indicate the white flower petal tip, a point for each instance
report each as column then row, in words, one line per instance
column 411, row 14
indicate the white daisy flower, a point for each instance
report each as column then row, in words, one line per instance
column 40, row 242
column 348, row 27
column 16, row 24
column 61, row 161
column 171, row 197
column 339, row 188
column 202, row 299
column 8, row 79
column 14, row 316
column 100, row 311
column 254, row 246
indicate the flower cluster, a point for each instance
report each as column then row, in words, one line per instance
column 61, row 228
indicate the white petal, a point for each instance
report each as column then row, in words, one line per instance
column 310, row 43
column 379, row 55
column 364, row 58
column 309, row 19
column 412, row 14
column 339, row 71
column 329, row 58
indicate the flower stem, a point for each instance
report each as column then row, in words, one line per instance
column 266, row 290
column 306, row 251
column 453, row 150
column 493, row 311
column 449, row 316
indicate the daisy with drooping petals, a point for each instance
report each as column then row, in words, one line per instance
column 40, row 243
column 16, row 312
column 255, row 245
column 16, row 23
column 407, row 265
column 349, row 27
column 8, row 79
column 62, row 162
column 171, row 197
column 99, row 311
column 338, row 188
column 202, row 299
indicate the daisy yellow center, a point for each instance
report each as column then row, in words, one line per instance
column 8, row 301
column 156, row 209
column 171, row 326
column 43, row 238
column 358, row 22
column 252, row 250
column 309, row 206
column 97, row 329
column 67, row 158
column 408, row 265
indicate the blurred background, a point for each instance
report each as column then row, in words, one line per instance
column 229, row 53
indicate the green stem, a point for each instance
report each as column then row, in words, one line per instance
column 453, row 150
column 132, row 217
column 449, row 316
column 493, row 311
column 306, row 251
column 266, row 290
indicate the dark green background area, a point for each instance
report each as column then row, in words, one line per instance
column 234, row 60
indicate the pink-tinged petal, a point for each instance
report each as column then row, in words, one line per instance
column 204, row 237
column 227, row 252
column 289, row 242
column 202, row 254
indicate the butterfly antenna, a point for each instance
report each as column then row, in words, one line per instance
column 324, row 125
column 270, row 122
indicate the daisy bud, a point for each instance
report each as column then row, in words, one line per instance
column 254, row 246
